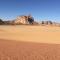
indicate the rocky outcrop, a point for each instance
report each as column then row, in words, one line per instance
column 1, row 22
column 24, row 20
column 20, row 20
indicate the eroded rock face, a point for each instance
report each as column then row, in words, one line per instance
column 24, row 20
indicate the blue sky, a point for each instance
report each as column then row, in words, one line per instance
column 39, row 9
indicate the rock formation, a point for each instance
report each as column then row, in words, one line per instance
column 24, row 20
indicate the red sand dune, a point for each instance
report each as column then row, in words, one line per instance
column 16, row 50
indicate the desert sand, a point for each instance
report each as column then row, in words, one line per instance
column 14, row 50
column 29, row 42
column 41, row 34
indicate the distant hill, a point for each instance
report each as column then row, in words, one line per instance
column 27, row 20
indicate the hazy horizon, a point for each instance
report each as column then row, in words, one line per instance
column 39, row 9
